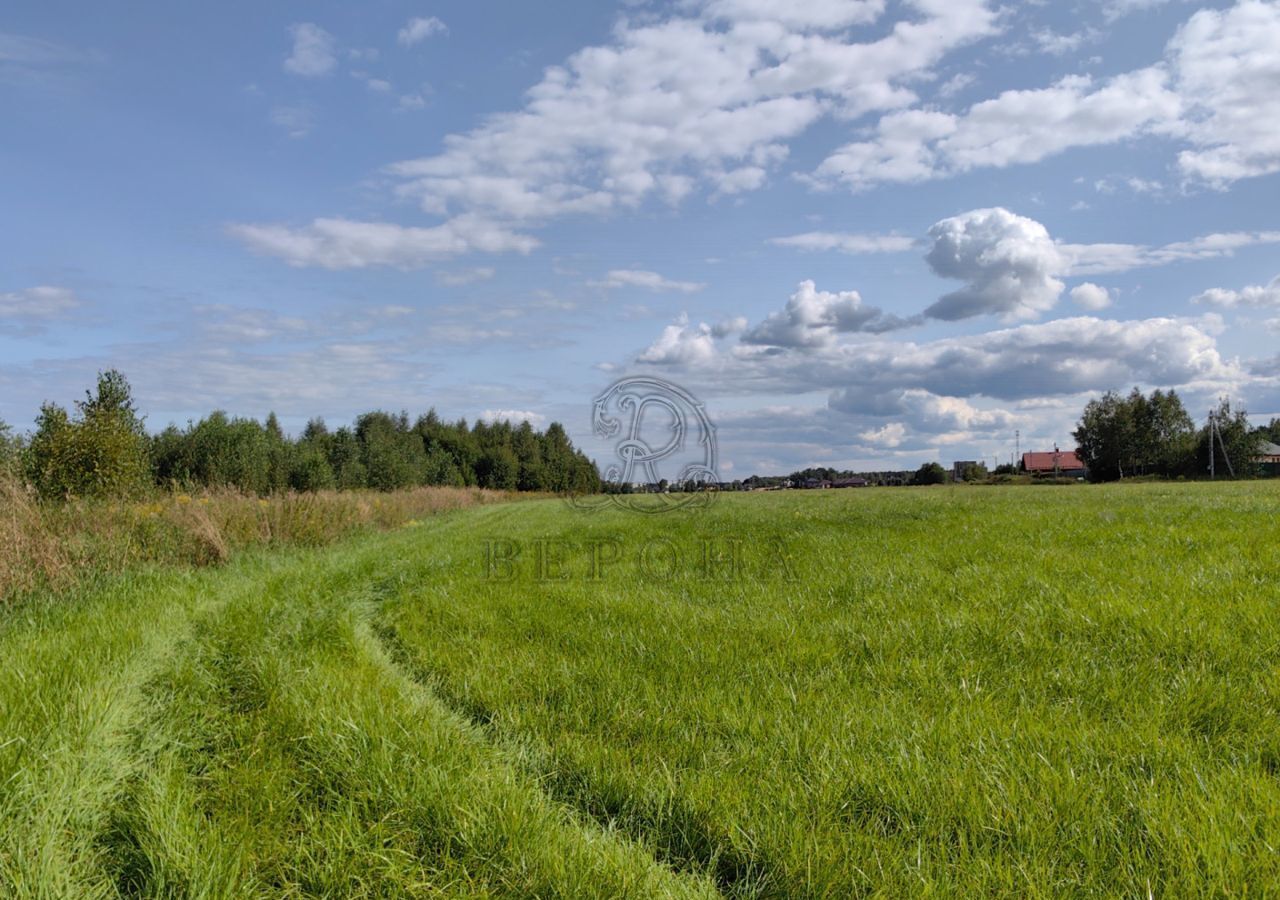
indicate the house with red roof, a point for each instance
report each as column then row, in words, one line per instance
column 1064, row 463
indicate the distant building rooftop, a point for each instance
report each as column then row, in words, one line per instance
column 1047, row 462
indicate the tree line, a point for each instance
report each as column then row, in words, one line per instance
column 102, row 448
column 929, row 473
column 1135, row 435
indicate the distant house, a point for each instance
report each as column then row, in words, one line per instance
column 1268, row 459
column 1062, row 462
column 815, row 483
column 849, row 482
column 1268, row 454
column 959, row 466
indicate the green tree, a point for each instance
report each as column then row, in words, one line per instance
column 974, row 472
column 1120, row 437
column 528, row 451
column 499, row 469
column 392, row 454
column 1271, row 431
column 280, row 452
column 309, row 468
column 584, row 477
column 50, row 463
column 930, row 473
column 1167, row 435
column 171, row 462
column 1104, row 436
column 101, row 451
column 345, row 459
column 557, row 457
column 227, row 452
column 9, row 448
column 442, row 469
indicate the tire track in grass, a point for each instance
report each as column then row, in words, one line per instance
column 72, row 696
column 163, row 839
column 295, row 758
column 676, row 834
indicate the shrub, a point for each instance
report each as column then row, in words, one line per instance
column 56, row 544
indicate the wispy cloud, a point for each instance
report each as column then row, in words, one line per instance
column 514, row 416
column 465, row 276
column 29, row 310
column 639, row 278
column 846, row 242
column 296, row 121
column 347, row 244
column 314, row 51
column 1257, row 296
column 418, row 29
column 33, row 60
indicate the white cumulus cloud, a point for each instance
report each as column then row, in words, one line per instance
column 1008, row 261
column 1214, row 92
column 709, row 99
column 1228, row 65
column 813, row 318
column 1090, row 296
column 682, row 344
column 1062, row 357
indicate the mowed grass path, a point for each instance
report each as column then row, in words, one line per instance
column 957, row 692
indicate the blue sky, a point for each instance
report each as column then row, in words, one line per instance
column 868, row 233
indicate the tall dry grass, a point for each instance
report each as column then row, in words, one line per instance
column 52, row 545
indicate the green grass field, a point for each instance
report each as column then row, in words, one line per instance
column 1029, row 691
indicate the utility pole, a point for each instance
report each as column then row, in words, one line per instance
column 1226, row 456
column 1215, row 430
column 1212, row 453
column 1017, row 446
